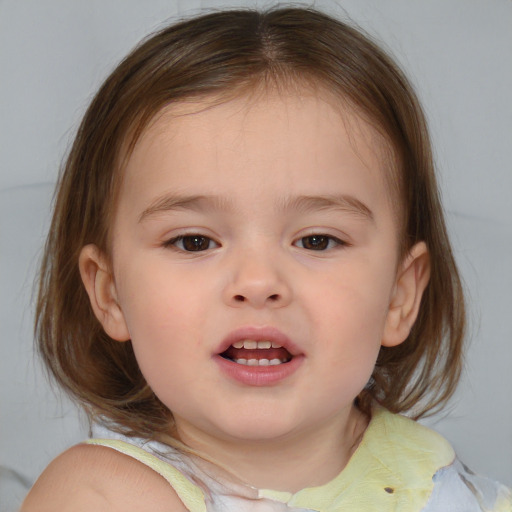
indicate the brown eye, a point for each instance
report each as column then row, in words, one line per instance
column 192, row 243
column 318, row 242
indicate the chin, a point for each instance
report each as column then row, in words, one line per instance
column 257, row 428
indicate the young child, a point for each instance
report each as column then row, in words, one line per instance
column 248, row 276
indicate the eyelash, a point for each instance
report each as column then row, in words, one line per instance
column 194, row 238
column 203, row 243
column 324, row 242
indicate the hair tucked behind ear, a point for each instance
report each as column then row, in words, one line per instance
column 225, row 54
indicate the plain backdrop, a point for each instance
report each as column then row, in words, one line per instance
column 55, row 53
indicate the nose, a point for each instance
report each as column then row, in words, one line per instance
column 256, row 280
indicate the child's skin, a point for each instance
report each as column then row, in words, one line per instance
column 256, row 179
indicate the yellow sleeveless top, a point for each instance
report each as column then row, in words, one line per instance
column 399, row 466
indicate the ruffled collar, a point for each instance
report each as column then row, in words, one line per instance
column 390, row 471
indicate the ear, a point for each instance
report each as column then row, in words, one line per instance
column 99, row 282
column 412, row 279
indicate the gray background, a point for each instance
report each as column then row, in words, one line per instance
column 55, row 53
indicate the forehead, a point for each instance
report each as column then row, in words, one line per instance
column 261, row 112
column 294, row 138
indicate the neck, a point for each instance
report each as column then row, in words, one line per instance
column 289, row 463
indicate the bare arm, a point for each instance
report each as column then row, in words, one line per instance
column 87, row 478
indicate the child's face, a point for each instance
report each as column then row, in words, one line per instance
column 262, row 220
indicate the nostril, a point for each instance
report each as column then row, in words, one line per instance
column 239, row 298
column 274, row 297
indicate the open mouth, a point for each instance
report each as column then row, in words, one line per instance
column 257, row 353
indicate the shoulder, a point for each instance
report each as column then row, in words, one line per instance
column 427, row 470
column 402, row 441
column 458, row 488
column 400, row 457
column 88, row 477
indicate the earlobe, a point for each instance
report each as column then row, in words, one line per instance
column 100, row 286
column 412, row 279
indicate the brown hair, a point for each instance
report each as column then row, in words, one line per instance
column 216, row 54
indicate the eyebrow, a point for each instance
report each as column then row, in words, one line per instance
column 345, row 203
column 303, row 204
column 179, row 202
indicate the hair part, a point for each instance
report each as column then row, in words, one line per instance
column 222, row 55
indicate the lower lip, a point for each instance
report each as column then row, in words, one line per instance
column 259, row 375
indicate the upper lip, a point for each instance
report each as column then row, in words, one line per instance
column 257, row 333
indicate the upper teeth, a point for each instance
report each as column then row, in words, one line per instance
column 252, row 345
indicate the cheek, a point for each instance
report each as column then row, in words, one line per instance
column 350, row 321
column 152, row 297
column 356, row 300
column 162, row 322
column 164, row 342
